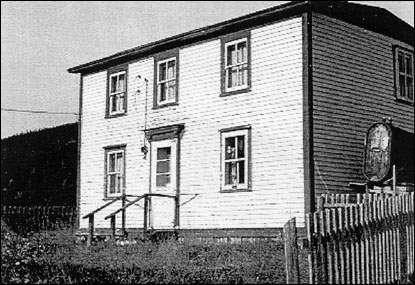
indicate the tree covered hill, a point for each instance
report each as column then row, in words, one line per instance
column 40, row 167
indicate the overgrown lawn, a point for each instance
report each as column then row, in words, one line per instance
column 55, row 257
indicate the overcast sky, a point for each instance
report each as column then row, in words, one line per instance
column 40, row 40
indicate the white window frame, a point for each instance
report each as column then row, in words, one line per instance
column 117, row 94
column 159, row 82
column 171, row 188
column 108, row 173
column 227, row 67
column 406, row 75
column 225, row 135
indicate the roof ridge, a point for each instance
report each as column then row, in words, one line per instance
column 335, row 9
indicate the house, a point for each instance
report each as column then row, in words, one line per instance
column 241, row 125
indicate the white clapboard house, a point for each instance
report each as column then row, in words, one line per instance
column 236, row 127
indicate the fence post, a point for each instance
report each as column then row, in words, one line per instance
column 123, row 232
column 91, row 229
column 112, row 221
column 291, row 252
column 311, row 246
column 145, row 220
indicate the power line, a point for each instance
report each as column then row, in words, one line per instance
column 37, row 112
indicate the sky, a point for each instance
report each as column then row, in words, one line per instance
column 41, row 40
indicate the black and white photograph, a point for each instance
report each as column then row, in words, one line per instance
column 207, row 142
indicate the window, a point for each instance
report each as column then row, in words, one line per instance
column 115, row 171
column 404, row 75
column 236, row 63
column 166, row 81
column 117, row 93
column 235, row 159
column 163, row 165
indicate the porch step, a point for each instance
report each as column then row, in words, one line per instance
column 100, row 236
column 152, row 235
column 161, row 235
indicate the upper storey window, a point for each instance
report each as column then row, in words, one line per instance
column 166, row 78
column 166, row 81
column 404, row 74
column 117, row 93
column 236, row 67
column 236, row 63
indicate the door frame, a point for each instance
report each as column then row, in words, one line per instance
column 166, row 133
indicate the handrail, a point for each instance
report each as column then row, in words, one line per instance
column 136, row 200
column 107, row 204
column 126, row 206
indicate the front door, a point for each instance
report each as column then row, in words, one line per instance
column 163, row 181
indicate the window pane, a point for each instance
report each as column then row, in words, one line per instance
column 172, row 91
column 112, row 183
column 120, row 103
column 231, row 55
column 162, row 180
column 111, row 162
column 119, row 184
column 162, row 71
column 401, row 62
column 409, row 66
column 163, row 153
column 243, row 75
column 232, row 76
column 163, row 166
column 163, row 92
column 410, row 86
column 402, row 87
column 171, row 71
column 228, row 173
column 113, row 84
column 113, row 103
column 242, row 56
column 241, row 172
column 230, row 148
column 121, row 83
column 120, row 162
column 241, row 146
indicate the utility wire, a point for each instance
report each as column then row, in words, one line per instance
column 37, row 112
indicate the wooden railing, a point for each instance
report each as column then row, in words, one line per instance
column 122, row 209
column 91, row 216
column 327, row 201
column 146, row 204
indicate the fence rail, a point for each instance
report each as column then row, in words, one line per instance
column 341, row 200
column 36, row 218
column 370, row 241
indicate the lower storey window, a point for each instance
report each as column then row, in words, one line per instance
column 235, row 160
column 115, row 172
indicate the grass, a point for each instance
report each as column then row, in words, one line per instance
column 55, row 257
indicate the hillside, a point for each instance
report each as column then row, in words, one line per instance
column 39, row 167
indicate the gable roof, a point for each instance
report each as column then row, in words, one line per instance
column 375, row 19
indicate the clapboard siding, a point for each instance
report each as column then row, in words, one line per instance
column 273, row 109
column 353, row 87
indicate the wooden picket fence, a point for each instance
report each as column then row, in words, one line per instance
column 24, row 219
column 369, row 240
